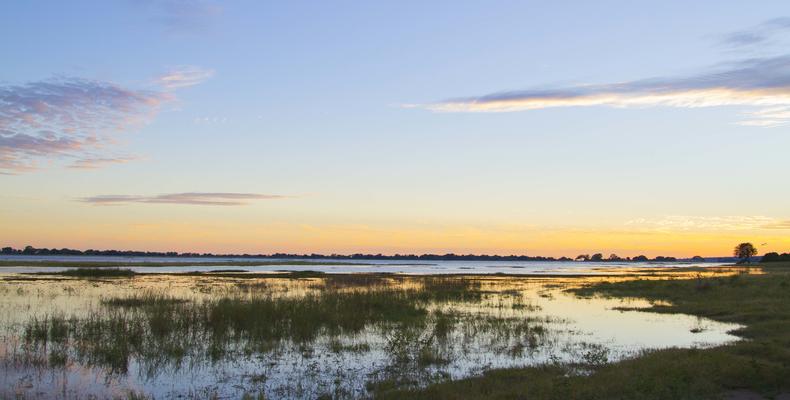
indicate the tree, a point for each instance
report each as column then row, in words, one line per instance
column 614, row 257
column 771, row 257
column 583, row 257
column 744, row 251
column 597, row 257
column 641, row 258
column 775, row 257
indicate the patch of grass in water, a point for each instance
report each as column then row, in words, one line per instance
column 418, row 317
column 229, row 271
column 159, row 329
column 354, row 281
column 145, row 299
column 94, row 273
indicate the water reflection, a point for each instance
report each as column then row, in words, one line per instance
column 201, row 336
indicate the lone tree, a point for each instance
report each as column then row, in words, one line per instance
column 744, row 251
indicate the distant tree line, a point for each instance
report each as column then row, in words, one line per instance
column 32, row 251
column 775, row 257
column 598, row 257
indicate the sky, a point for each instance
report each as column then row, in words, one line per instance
column 502, row 127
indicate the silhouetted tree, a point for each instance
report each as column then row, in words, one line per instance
column 597, row 257
column 583, row 257
column 775, row 257
column 744, row 251
column 640, row 258
column 770, row 257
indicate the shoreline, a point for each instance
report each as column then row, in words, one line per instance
column 755, row 368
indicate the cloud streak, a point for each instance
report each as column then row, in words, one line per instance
column 67, row 117
column 698, row 223
column 184, row 76
column 181, row 16
column 99, row 162
column 191, row 198
column 778, row 225
column 758, row 35
column 760, row 82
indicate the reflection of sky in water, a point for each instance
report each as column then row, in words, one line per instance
column 381, row 266
column 574, row 327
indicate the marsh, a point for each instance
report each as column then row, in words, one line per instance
column 115, row 333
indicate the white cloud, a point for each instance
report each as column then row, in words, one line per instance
column 763, row 83
column 760, row 84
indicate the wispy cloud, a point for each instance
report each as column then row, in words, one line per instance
column 777, row 225
column 757, row 35
column 192, row 198
column 66, row 117
column 181, row 16
column 718, row 223
column 757, row 83
column 761, row 84
column 184, row 76
column 99, row 162
column 78, row 118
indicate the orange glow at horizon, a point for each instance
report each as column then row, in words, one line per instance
column 348, row 239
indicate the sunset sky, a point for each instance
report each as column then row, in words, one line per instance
column 538, row 128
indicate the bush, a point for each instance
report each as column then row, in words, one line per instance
column 775, row 257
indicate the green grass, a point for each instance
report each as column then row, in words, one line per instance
column 147, row 298
column 160, row 330
column 760, row 364
column 95, row 273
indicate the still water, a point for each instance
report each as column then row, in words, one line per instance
column 354, row 266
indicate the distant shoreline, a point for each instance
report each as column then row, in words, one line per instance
column 43, row 252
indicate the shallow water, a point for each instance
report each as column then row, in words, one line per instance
column 362, row 266
column 510, row 322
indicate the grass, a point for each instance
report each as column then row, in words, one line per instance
column 147, row 298
column 417, row 319
column 95, row 273
column 760, row 364
column 160, row 330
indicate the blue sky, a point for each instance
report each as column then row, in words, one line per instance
column 387, row 120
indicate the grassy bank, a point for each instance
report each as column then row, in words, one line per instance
column 759, row 364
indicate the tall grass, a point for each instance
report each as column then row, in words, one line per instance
column 160, row 329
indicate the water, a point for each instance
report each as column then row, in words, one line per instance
column 514, row 322
column 361, row 266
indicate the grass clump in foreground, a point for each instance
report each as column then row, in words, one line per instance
column 161, row 330
column 95, row 273
column 759, row 364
